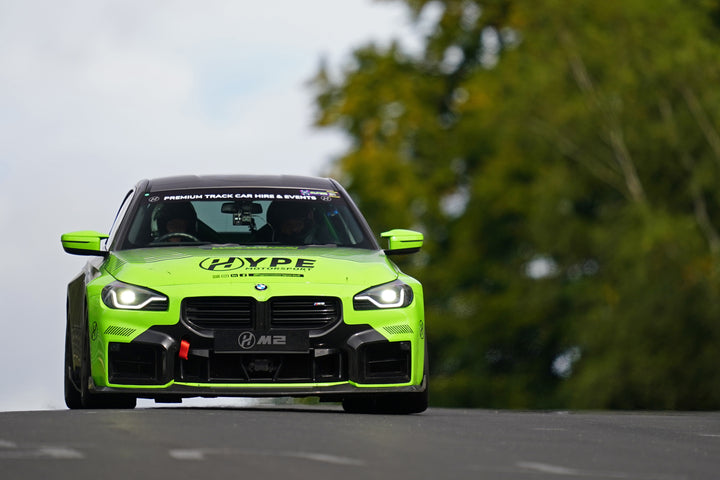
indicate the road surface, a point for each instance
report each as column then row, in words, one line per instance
column 298, row 442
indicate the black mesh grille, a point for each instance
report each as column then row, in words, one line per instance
column 385, row 362
column 135, row 363
column 219, row 312
column 304, row 312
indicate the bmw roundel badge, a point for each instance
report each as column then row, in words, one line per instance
column 261, row 287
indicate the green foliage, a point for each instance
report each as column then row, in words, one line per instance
column 561, row 159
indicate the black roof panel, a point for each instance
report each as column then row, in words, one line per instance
column 184, row 182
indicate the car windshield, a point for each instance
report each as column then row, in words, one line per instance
column 257, row 216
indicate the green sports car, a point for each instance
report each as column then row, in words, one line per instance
column 247, row 286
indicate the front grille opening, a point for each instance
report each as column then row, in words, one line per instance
column 218, row 313
column 289, row 367
column 263, row 368
column 329, row 367
column 280, row 313
column 194, row 369
column 304, row 312
column 386, row 362
column 226, row 368
column 135, row 363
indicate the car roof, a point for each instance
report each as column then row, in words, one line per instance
column 234, row 181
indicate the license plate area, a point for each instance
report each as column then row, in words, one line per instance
column 247, row 341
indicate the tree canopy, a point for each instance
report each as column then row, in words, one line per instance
column 562, row 159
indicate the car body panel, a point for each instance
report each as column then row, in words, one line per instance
column 179, row 265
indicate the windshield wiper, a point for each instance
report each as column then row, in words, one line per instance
column 176, row 244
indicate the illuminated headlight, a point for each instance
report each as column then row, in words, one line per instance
column 390, row 295
column 131, row 297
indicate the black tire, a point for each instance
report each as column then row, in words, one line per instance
column 406, row 403
column 388, row 403
column 72, row 394
column 89, row 399
column 357, row 404
column 392, row 403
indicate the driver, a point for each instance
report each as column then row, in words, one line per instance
column 177, row 218
column 292, row 222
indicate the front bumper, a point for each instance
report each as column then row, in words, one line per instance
column 360, row 352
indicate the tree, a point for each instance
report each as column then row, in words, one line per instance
column 561, row 159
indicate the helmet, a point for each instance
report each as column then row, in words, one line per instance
column 291, row 221
column 176, row 211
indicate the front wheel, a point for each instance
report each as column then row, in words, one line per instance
column 73, row 398
column 388, row 403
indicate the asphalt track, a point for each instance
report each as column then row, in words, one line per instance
column 323, row 442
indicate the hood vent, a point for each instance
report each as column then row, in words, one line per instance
column 398, row 329
column 119, row 331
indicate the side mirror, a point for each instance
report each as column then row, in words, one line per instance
column 401, row 241
column 86, row 242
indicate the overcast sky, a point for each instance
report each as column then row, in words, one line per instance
column 96, row 95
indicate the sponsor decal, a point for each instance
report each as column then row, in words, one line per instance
column 253, row 341
column 94, row 331
column 322, row 194
column 261, row 274
column 247, row 340
column 224, row 264
column 167, row 198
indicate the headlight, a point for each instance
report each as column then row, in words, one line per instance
column 131, row 297
column 390, row 295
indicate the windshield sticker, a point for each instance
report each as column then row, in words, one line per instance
column 285, row 194
column 324, row 194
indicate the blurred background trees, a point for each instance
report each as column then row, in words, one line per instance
column 562, row 159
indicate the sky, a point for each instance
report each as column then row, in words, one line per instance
column 98, row 94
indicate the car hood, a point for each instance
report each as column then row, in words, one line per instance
column 156, row 267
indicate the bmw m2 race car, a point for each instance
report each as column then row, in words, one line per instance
column 248, row 286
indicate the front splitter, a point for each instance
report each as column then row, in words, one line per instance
column 187, row 391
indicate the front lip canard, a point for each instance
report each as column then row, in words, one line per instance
column 174, row 351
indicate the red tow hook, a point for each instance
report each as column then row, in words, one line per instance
column 184, row 349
